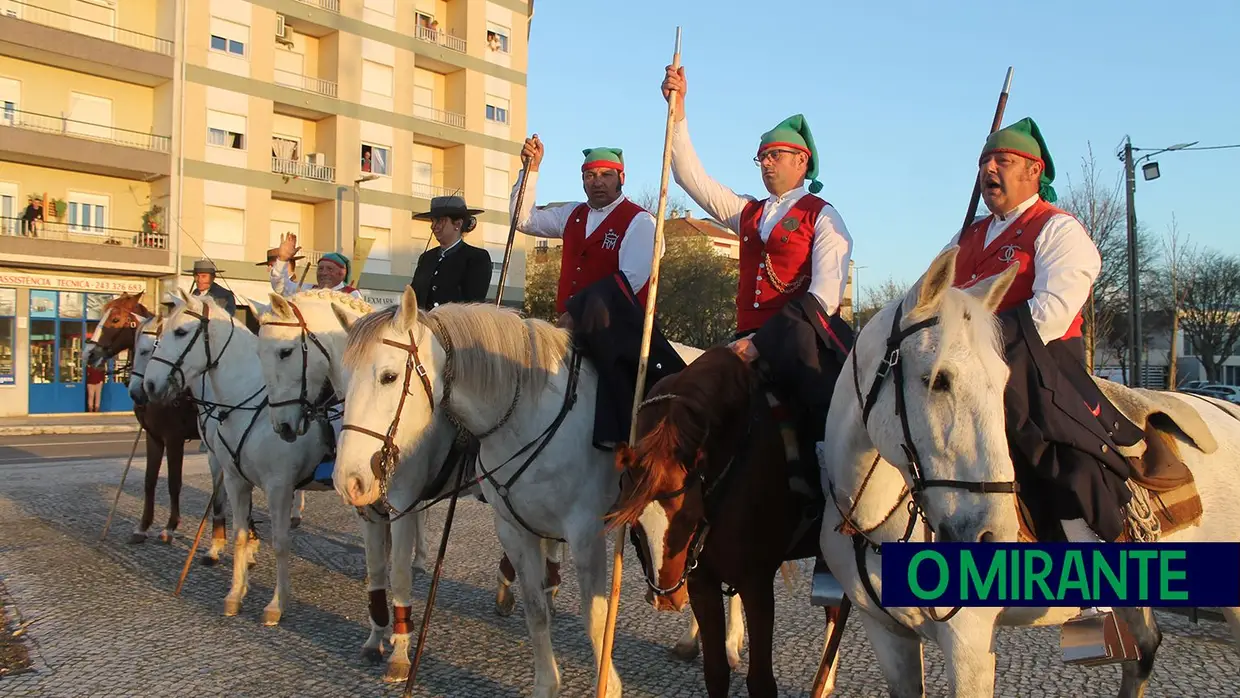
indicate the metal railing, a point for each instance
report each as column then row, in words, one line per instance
column 449, row 118
column 296, row 168
column 442, row 38
column 59, row 20
column 305, row 83
column 16, row 118
column 430, row 191
column 329, row 5
column 66, row 232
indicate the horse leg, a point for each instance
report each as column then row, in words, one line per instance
column 966, row 643
column 299, row 506
column 505, row 602
column 899, row 656
column 404, row 531
column 525, row 551
column 736, row 630
column 758, row 599
column 1233, row 619
column 555, row 555
column 280, row 504
column 1136, row 675
column 219, row 533
column 240, row 492
column 706, row 600
column 590, row 556
column 416, row 528
column 374, row 538
column 154, row 457
column 175, row 448
column 688, row 646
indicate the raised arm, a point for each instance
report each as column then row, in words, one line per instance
column 281, row 281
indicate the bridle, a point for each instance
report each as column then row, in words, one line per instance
column 891, row 365
column 200, row 331
column 108, row 333
column 317, row 409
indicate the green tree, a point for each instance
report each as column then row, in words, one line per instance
column 697, row 293
column 542, row 277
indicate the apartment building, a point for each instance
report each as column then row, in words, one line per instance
column 139, row 135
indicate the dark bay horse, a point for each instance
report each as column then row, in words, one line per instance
column 706, row 492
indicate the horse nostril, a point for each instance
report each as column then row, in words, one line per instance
column 987, row 537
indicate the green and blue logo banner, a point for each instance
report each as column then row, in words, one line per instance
column 1061, row 574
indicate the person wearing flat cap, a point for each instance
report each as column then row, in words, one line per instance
column 455, row 271
column 332, row 271
column 204, row 273
column 794, row 256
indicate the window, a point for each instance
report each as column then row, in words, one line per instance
column 285, row 148
column 88, row 213
column 375, row 159
column 223, row 225
column 8, row 334
column 9, row 111
column 377, row 78
column 225, row 130
column 280, row 228
column 497, row 109
column 423, row 173
column 1231, row 374
column 229, row 37
column 497, row 37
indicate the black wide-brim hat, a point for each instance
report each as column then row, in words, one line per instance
column 204, row 266
column 450, row 206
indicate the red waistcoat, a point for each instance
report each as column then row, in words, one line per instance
column 1014, row 245
column 584, row 261
column 773, row 273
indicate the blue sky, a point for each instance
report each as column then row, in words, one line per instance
column 900, row 101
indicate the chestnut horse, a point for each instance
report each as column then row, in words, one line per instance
column 706, row 492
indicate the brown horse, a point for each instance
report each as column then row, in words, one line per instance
column 167, row 426
column 706, row 492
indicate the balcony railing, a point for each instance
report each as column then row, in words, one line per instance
column 430, row 191
column 305, row 83
column 59, row 20
column 59, row 230
column 294, row 168
column 329, row 5
column 449, row 118
column 31, row 121
column 442, row 38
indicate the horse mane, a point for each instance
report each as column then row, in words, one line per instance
column 324, row 294
column 129, row 302
column 491, row 346
column 710, row 395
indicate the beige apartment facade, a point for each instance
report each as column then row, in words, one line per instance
column 157, row 132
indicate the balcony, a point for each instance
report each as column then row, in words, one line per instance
column 305, row 83
column 34, row 33
column 56, row 244
column 430, row 191
column 329, row 5
column 304, row 170
column 68, row 144
column 439, row 116
column 441, row 38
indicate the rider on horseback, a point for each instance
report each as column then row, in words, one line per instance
column 794, row 254
column 1069, row 445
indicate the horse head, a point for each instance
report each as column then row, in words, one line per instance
column 690, row 428
column 300, row 346
column 925, row 390
column 117, row 328
column 144, row 345
column 193, row 338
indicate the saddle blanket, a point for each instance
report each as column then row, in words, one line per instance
column 321, row 480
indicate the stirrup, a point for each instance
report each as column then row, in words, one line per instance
column 825, row 590
column 1097, row 638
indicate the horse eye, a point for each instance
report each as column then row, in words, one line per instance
column 942, row 382
column 144, row 352
column 388, row 377
column 285, row 353
column 180, row 332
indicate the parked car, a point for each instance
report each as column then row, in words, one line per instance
column 1230, row 393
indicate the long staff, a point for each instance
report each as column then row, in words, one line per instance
column 994, row 126
column 613, row 603
column 108, row 524
column 512, row 232
column 216, row 484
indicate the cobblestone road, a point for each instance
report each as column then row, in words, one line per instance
column 103, row 621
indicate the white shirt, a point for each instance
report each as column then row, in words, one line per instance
column 285, row 286
column 636, row 249
column 1065, row 262
column 832, row 245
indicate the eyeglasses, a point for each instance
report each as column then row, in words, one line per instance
column 771, row 155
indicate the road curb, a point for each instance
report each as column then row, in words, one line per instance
column 68, row 429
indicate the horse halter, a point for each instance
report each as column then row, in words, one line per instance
column 201, row 331
column 318, row 408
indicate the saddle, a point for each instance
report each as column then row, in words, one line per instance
column 1165, row 497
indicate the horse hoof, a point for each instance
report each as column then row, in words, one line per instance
column 136, row 538
column 505, row 602
column 231, row 607
column 372, row 655
column 734, row 660
column 397, row 672
column 295, row 522
column 166, row 538
column 271, row 617
column 688, row 651
column 551, row 593
column 208, row 561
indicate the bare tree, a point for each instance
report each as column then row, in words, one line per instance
column 1177, row 251
column 875, row 298
column 648, row 199
column 1211, row 307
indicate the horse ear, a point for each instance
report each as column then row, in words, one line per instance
column 407, row 318
column 937, row 279
column 346, row 319
column 991, row 291
column 279, row 306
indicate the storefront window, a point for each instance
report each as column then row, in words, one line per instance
column 42, row 350
column 95, row 303
column 70, row 305
column 8, row 334
column 43, row 304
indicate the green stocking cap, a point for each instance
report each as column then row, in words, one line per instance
column 341, row 260
column 603, row 157
column 793, row 132
column 1024, row 139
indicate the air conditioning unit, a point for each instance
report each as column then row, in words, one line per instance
column 281, row 27
column 316, row 159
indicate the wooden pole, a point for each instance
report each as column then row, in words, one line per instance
column 512, row 233
column 994, row 126
column 108, row 524
column 613, row 603
column 193, row 548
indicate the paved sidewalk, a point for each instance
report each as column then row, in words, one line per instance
column 105, row 423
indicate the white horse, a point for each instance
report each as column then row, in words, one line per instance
column 203, row 348
column 954, row 377
column 301, row 344
column 514, row 383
